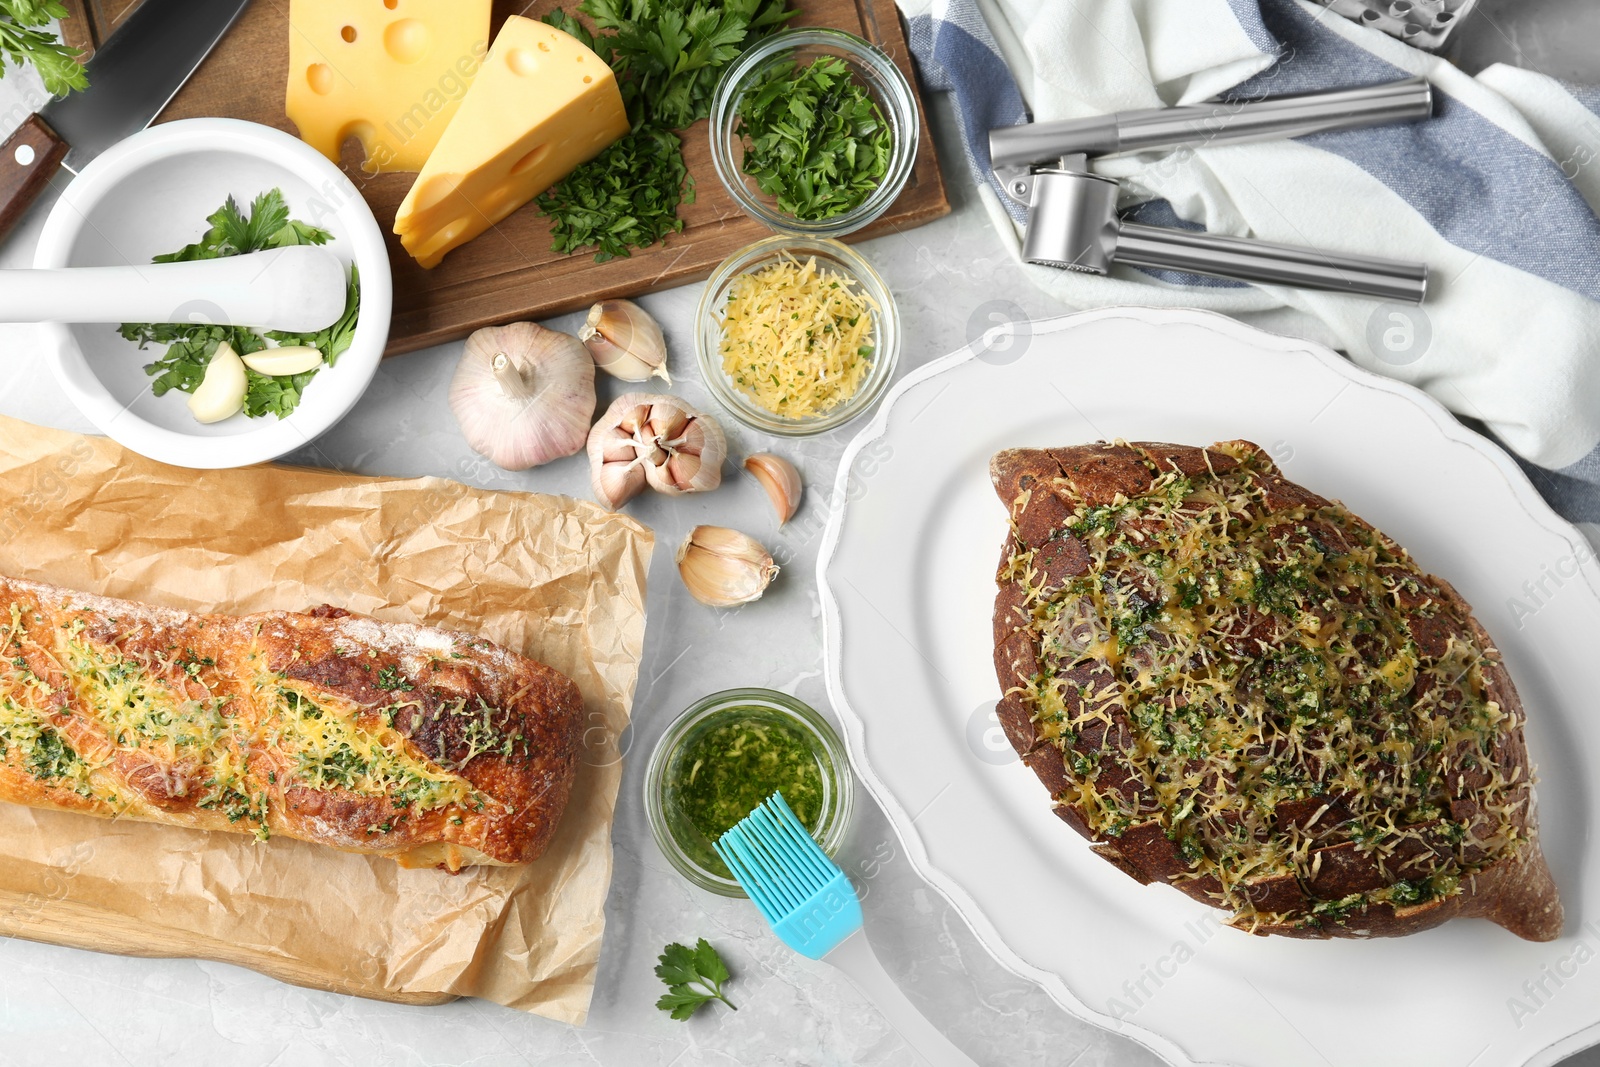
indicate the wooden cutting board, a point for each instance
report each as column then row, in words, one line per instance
column 510, row 272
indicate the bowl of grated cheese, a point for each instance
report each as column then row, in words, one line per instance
column 797, row 335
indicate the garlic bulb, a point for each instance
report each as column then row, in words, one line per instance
column 781, row 481
column 625, row 341
column 649, row 439
column 723, row 568
column 523, row 394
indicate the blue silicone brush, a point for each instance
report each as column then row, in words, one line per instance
column 811, row 905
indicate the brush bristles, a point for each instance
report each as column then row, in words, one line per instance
column 775, row 859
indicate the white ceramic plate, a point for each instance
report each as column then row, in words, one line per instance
column 907, row 579
column 150, row 195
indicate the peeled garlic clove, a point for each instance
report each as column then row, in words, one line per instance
column 781, row 481
column 220, row 394
column 723, row 568
column 625, row 341
column 280, row 362
column 523, row 394
column 673, row 447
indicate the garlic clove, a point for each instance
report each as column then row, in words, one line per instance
column 781, row 481
column 523, row 394
column 694, row 460
column 617, row 483
column 625, row 341
column 618, row 446
column 723, row 568
column 681, row 471
column 279, row 362
column 221, row 392
column 667, row 422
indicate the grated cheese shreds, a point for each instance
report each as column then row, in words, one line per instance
column 796, row 337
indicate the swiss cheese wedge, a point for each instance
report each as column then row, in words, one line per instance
column 389, row 72
column 541, row 105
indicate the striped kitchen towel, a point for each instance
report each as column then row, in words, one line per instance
column 1497, row 193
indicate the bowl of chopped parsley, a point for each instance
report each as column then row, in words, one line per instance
column 207, row 189
column 814, row 132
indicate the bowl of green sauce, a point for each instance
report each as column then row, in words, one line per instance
column 725, row 755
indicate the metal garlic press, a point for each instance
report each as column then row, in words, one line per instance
column 1420, row 23
column 1072, row 213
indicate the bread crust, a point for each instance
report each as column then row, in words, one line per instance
column 1048, row 490
column 429, row 747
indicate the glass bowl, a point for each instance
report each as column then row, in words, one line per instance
column 682, row 843
column 832, row 256
column 872, row 67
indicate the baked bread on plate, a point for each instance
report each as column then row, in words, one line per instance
column 1235, row 686
column 429, row 747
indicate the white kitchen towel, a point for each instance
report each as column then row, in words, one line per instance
column 1496, row 193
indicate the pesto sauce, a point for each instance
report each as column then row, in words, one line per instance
column 728, row 765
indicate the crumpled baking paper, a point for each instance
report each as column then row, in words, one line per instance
column 560, row 580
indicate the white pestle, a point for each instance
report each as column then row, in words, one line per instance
column 300, row 289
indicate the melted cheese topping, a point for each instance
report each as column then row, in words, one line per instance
column 797, row 338
column 330, row 749
column 1259, row 658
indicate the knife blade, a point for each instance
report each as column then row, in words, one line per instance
column 132, row 77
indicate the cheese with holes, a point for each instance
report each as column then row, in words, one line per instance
column 541, row 105
column 389, row 72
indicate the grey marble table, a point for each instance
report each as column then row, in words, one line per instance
column 62, row 1006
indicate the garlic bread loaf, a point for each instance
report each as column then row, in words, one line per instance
column 1235, row 686
column 429, row 747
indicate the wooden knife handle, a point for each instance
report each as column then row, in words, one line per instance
column 27, row 163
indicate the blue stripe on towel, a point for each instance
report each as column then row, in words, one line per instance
column 1481, row 188
column 1587, row 95
column 1248, row 12
column 987, row 97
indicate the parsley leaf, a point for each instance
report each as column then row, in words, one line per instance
column 25, row 39
column 814, row 139
column 693, row 976
column 190, row 346
column 234, row 233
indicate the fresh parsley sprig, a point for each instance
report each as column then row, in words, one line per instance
column 673, row 51
column 693, row 976
column 25, row 41
column 814, row 138
column 190, row 346
column 234, row 233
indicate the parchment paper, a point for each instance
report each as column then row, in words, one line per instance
column 560, row 580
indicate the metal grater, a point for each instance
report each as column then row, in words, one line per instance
column 1423, row 23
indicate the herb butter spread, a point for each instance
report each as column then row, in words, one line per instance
column 732, row 762
column 1236, row 686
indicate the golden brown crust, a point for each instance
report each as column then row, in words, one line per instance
column 429, row 747
column 1084, row 750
